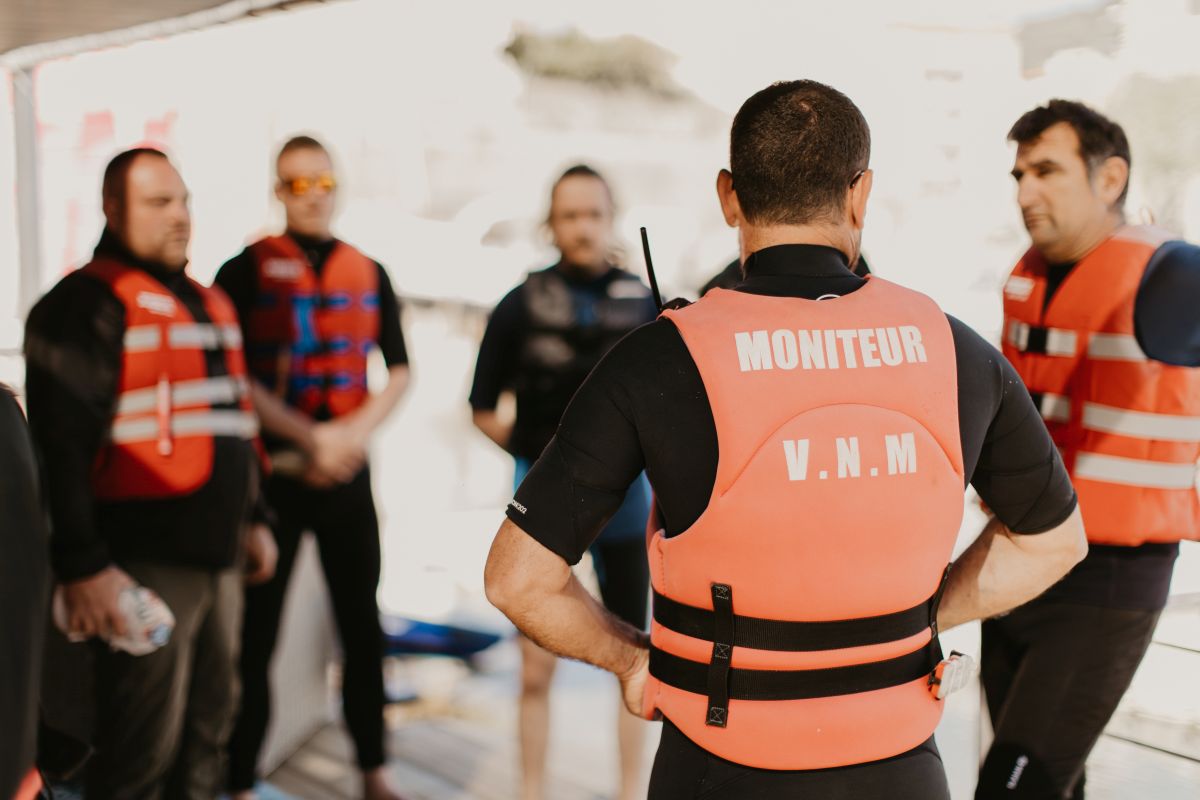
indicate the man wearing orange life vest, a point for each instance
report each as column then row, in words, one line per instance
column 808, row 436
column 312, row 309
column 1100, row 320
column 138, row 405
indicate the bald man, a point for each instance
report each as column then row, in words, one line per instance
column 139, row 407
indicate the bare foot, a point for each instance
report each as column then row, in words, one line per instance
column 376, row 787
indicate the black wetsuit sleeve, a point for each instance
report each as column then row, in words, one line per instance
column 1008, row 454
column 1167, row 311
column 238, row 277
column 73, row 341
column 24, row 574
column 581, row 478
column 391, row 333
column 498, row 351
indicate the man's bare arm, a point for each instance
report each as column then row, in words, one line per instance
column 280, row 419
column 496, row 428
column 535, row 588
column 363, row 421
column 1001, row 569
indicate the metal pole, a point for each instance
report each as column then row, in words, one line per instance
column 29, row 232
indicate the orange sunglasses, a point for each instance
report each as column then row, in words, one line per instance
column 322, row 184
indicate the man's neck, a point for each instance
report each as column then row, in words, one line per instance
column 305, row 238
column 584, row 271
column 753, row 238
column 111, row 245
column 1088, row 242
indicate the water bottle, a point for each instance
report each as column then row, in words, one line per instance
column 148, row 620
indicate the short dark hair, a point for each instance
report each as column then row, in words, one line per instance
column 1099, row 137
column 794, row 149
column 578, row 171
column 301, row 142
column 114, row 187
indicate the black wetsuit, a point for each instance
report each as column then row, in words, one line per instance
column 346, row 528
column 618, row 555
column 645, row 406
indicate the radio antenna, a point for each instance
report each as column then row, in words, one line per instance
column 650, row 270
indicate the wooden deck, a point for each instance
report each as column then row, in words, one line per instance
column 458, row 741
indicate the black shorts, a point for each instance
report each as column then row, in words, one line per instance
column 685, row 771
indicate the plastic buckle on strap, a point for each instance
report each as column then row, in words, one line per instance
column 952, row 674
column 163, row 415
column 722, row 656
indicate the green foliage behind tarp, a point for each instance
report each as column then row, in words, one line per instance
column 625, row 62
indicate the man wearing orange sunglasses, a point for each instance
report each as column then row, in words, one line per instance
column 312, row 308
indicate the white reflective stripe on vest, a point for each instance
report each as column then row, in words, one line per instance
column 1121, row 421
column 183, row 336
column 232, row 334
column 1055, row 407
column 241, row 424
column 1115, row 347
column 204, row 391
column 1134, row 472
column 1059, row 342
column 1018, row 334
column 141, row 338
column 1141, row 424
column 194, row 335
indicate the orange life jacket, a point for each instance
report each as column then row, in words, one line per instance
column 160, row 442
column 31, row 786
column 308, row 337
column 1128, row 427
column 795, row 621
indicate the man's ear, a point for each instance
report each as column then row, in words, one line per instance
column 859, row 193
column 1111, row 178
column 730, row 207
column 112, row 214
column 279, row 190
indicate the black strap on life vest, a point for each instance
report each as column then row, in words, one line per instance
column 1036, row 342
column 771, row 634
column 768, row 684
column 720, row 682
column 722, row 655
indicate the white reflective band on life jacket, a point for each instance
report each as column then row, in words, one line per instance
column 203, row 391
column 1134, row 472
column 140, row 338
column 241, row 424
column 204, row 336
column 1059, row 342
column 183, row 336
column 232, row 334
column 1055, row 407
column 1115, row 347
column 1140, row 424
column 1121, row 421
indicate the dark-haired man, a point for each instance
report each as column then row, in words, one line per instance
column 808, row 436
column 1100, row 321
column 312, row 309
column 542, row 340
column 139, row 408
